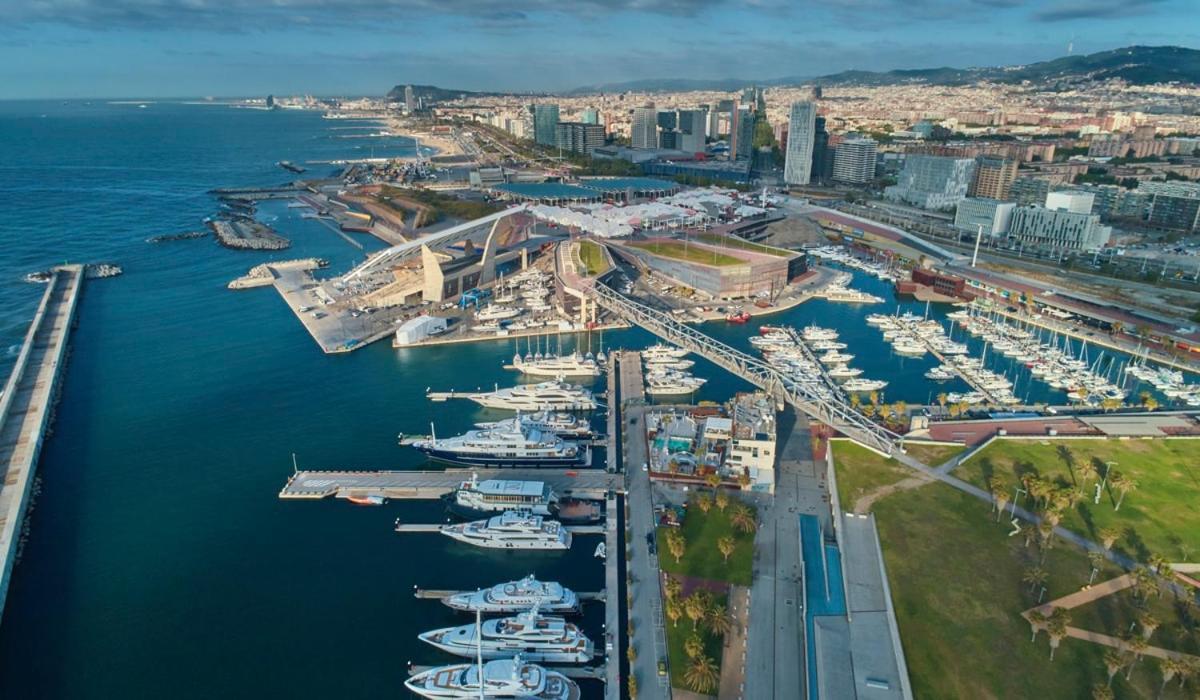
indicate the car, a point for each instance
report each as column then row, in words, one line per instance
column 662, row 668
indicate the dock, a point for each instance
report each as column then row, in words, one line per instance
column 433, row 594
column 437, row 527
column 431, row 485
column 26, row 408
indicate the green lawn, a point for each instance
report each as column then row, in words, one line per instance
column 593, row 258
column 933, row 455
column 697, row 254
column 701, row 558
column 1160, row 516
column 860, row 470
column 741, row 244
column 1117, row 612
column 677, row 635
column 956, row 584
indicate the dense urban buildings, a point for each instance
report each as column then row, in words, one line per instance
column 933, row 182
column 1057, row 229
column 797, row 166
column 545, row 117
column 854, row 160
column 993, row 215
column 994, row 176
column 578, row 137
column 644, row 131
column 1173, row 205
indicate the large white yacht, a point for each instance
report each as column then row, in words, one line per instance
column 573, row 365
column 515, row 596
column 533, row 635
column 660, row 351
column 543, row 396
column 494, row 312
column 502, row 678
column 511, row 530
column 561, row 423
column 475, row 498
column 513, row 445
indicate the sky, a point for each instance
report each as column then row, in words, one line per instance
column 192, row 48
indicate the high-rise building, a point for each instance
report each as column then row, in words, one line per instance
column 590, row 116
column 854, row 160
column 933, row 182
column 993, row 215
column 669, row 139
column 644, row 131
column 994, row 176
column 797, row 164
column 1070, row 200
column 667, row 119
column 1029, row 190
column 545, row 118
column 692, row 128
column 822, row 159
column 741, row 143
column 578, row 137
column 1172, row 205
column 1053, row 228
column 410, row 100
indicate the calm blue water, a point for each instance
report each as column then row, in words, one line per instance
column 161, row 563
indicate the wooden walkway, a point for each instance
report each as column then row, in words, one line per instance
column 26, row 407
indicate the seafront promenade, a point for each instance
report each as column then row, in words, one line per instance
column 27, row 406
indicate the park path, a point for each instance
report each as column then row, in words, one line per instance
column 733, row 655
column 865, row 501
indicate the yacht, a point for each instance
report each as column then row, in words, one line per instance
column 844, row 372
column 941, row 373
column 511, row 530
column 543, row 396
column 515, row 596
column 818, row 333
column 510, row 446
column 476, row 499
column 659, row 350
column 534, row 636
column 502, row 678
column 573, row 365
column 910, row 348
column 666, row 363
column 863, row 385
column 493, row 312
column 561, row 423
column 834, row 357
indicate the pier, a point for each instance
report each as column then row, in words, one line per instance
column 971, row 381
column 26, row 408
column 431, row 485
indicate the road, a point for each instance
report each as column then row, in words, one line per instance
column 646, row 614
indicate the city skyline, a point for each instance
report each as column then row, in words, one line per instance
column 131, row 48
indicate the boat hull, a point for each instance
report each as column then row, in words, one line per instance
column 498, row 462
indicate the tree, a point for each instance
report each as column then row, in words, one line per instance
column 674, row 612
column 704, row 502
column 673, row 587
column 726, row 545
column 713, row 480
column 721, row 500
column 1057, row 628
column 702, row 675
column 633, row 688
column 1087, row 472
column 694, row 646
column 1108, row 537
column 1096, row 559
column 942, row 398
column 1158, row 563
column 1137, row 645
column 1149, row 623
column 1034, row 577
column 1000, row 496
column 744, row 479
column 1113, row 663
column 1102, row 692
column 676, row 544
column 718, row 620
column 1168, row 668
column 1124, row 485
column 1037, row 623
column 742, row 519
column 855, row 401
column 695, row 607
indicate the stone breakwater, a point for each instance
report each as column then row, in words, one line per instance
column 248, row 234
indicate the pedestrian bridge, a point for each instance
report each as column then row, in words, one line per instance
column 838, row 414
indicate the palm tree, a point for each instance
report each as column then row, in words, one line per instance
column 1034, row 577
column 1037, row 623
column 742, row 518
column 677, row 544
column 673, row 587
column 1124, row 484
column 721, row 500
column 719, row 622
column 1000, row 496
column 726, row 545
column 942, row 398
column 1113, row 662
column 1057, row 628
column 1158, row 563
column 633, row 689
column 1087, row 471
column 713, row 480
column 1137, row 645
column 744, row 479
column 1149, row 624
column 702, row 675
column 855, row 401
column 1096, row 559
column 674, row 612
column 1102, row 692
column 1108, row 537
column 694, row 646
column 695, row 607
column 1168, row 668
column 704, row 502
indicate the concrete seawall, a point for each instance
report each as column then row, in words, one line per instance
column 27, row 407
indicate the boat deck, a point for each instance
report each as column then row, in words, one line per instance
column 433, row 594
column 431, row 485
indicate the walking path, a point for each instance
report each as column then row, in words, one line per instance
column 733, row 656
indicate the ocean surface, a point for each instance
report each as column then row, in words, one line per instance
column 160, row 562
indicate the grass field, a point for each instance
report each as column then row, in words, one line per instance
column 702, row 559
column 1159, row 516
column 933, row 455
column 860, row 471
column 956, row 584
column 677, row 635
column 592, row 255
column 696, row 254
column 735, row 242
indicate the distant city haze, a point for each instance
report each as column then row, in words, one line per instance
column 176, row 48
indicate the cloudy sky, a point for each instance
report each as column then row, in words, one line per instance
column 167, row 48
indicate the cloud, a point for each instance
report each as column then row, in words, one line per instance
column 1071, row 10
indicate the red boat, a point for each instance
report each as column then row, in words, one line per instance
column 739, row 317
column 367, row 500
